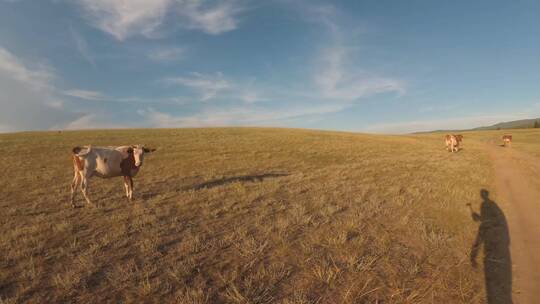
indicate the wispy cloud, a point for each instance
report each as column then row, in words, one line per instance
column 207, row 85
column 437, row 108
column 126, row 18
column 37, row 78
column 336, row 81
column 167, row 54
column 82, row 46
column 84, row 94
column 250, row 96
column 99, row 96
column 215, row 19
column 337, row 76
column 96, row 121
column 236, row 116
column 216, row 85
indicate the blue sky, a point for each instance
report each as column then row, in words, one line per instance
column 370, row 66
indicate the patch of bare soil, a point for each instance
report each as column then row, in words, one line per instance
column 518, row 194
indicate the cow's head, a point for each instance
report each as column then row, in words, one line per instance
column 138, row 153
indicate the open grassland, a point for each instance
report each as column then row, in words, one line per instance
column 244, row 216
column 525, row 140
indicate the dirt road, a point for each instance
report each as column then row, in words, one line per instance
column 517, row 181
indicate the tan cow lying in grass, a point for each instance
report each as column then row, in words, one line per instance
column 507, row 140
column 106, row 162
column 453, row 142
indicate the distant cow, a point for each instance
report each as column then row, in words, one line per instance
column 452, row 142
column 106, row 162
column 507, row 140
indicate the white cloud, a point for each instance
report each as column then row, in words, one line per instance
column 126, row 18
column 85, row 94
column 28, row 97
column 167, row 54
column 207, row 85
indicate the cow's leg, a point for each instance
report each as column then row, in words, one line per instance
column 84, row 190
column 130, row 196
column 74, row 184
column 127, row 185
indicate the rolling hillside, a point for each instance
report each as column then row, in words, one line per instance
column 516, row 124
column 244, row 215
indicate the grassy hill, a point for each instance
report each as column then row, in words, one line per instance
column 243, row 215
column 516, row 124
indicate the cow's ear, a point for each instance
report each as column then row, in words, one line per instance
column 146, row 150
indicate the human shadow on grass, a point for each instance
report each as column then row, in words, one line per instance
column 228, row 180
column 493, row 235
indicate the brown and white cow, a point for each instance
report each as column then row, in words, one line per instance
column 452, row 143
column 106, row 162
column 507, row 140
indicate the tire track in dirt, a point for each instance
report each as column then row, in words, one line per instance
column 517, row 187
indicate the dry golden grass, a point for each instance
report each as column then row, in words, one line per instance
column 526, row 140
column 244, row 215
